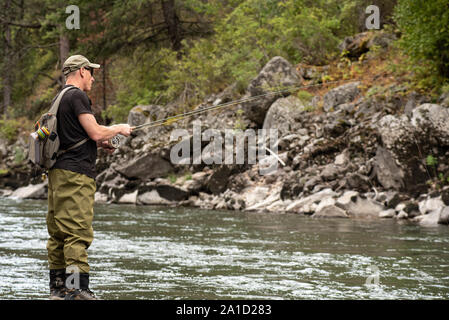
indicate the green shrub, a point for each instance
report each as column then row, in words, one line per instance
column 425, row 38
column 9, row 128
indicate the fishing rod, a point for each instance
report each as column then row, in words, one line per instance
column 116, row 141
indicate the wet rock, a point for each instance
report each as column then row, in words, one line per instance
column 130, row 198
column 445, row 195
column 411, row 208
column 389, row 213
column 255, row 194
column 340, row 95
column 101, row 197
column 145, row 167
column 430, row 205
column 429, row 220
column 362, row 208
column 330, row 211
column 32, row 191
column 444, row 216
column 151, row 198
column 310, row 203
column 278, row 72
column 401, row 215
column 390, row 199
column 345, row 200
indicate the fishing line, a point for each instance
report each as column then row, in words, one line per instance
column 178, row 117
column 115, row 141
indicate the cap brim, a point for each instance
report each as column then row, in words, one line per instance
column 94, row 65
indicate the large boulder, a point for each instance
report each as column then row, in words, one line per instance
column 388, row 173
column 145, row 113
column 341, row 95
column 281, row 115
column 277, row 73
column 32, row 191
column 411, row 140
column 145, row 167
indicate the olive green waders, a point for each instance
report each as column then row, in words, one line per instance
column 69, row 219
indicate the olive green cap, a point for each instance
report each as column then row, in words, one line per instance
column 77, row 62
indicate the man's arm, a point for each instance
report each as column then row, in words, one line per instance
column 100, row 133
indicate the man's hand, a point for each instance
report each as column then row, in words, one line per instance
column 124, row 129
column 106, row 146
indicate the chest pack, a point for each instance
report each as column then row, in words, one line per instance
column 44, row 141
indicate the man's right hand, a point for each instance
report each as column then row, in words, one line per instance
column 124, row 129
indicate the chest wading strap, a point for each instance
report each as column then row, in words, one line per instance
column 76, row 145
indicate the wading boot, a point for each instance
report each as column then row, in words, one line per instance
column 57, row 284
column 83, row 292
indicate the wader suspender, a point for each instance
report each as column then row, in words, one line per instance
column 54, row 110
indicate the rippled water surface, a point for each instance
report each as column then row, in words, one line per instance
column 165, row 253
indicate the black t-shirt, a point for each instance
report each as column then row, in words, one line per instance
column 81, row 159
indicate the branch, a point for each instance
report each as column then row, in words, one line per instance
column 21, row 24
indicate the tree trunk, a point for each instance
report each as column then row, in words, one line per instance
column 7, row 62
column 64, row 48
column 173, row 25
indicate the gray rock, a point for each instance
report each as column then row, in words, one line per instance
column 429, row 220
column 444, row 216
column 32, row 191
column 129, row 198
column 330, row 211
column 151, row 198
column 430, row 205
column 145, row 167
column 329, row 172
column 218, row 180
column 101, row 197
column 277, row 73
column 145, row 113
column 362, row 208
column 444, row 100
column 281, row 115
column 340, row 95
column 445, row 195
column 306, row 204
column 389, row 213
column 342, row 159
column 389, row 175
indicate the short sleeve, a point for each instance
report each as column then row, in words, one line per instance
column 80, row 103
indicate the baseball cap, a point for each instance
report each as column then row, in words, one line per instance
column 77, row 62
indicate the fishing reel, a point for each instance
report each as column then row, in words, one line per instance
column 115, row 141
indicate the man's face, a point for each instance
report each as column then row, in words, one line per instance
column 87, row 74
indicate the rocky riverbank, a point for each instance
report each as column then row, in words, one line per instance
column 349, row 152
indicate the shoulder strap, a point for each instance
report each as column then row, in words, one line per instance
column 76, row 145
column 55, row 106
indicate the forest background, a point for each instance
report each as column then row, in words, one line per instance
column 179, row 52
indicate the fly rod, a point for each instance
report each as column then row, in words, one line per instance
column 115, row 141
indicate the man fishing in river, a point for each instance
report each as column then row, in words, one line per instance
column 71, row 183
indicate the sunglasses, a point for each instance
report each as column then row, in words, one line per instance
column 91, row 70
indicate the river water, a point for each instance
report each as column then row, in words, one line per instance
column 142, row 252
